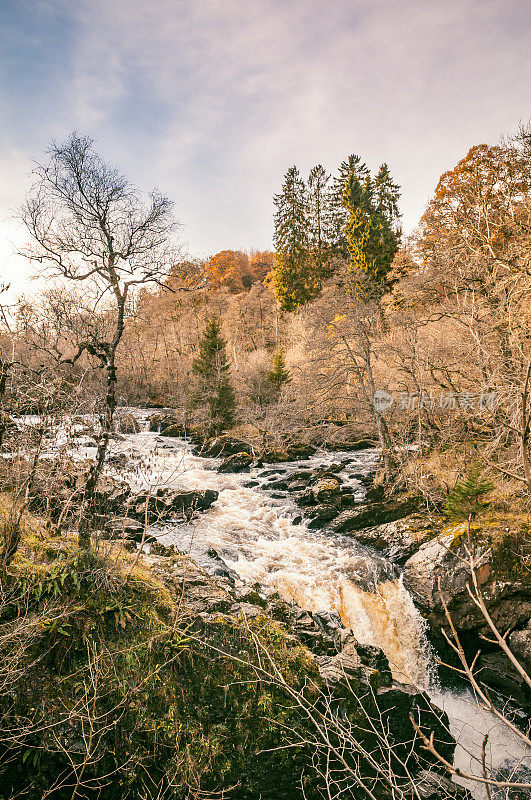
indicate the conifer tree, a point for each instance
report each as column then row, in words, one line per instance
column 466, row 498
column 352, row 168
column 371, row 239
column 280, row 374
column 296, row 281
column 386, row 197
column 212, row 369
column 320, row 217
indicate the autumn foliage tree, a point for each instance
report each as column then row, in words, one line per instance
column 474, row 246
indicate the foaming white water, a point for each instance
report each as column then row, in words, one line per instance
column 317, row 570
column 469, row 724
column 254, row 535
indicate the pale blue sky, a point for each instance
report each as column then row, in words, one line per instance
column 212, row 100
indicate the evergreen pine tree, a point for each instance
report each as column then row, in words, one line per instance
column 466, row 498
column 371, row 240
column 386, row 197
column 320, row 218
column 212, row 369
column 280, row 374
column 352, row 168
column 296, row 280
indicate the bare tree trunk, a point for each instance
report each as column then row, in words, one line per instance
column 526, row 422
column 96, row 468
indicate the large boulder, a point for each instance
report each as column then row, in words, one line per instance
column 327, row 488
column 223, row 445
column 290, row 451
column 401, row 538
column 239, row 462
column 170, row 504
column 439, row 570
column 177, row 431
column 168, row 423
column 125, row 422
column 520, row 644
column 368, row 515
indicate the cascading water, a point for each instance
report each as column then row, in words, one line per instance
column 254, row 535
column 253, row 532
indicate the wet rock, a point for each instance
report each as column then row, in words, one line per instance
column 159, row 422
column 223, row 446
column 302, row 450
column 297, row 487
column 126, row 423
column 278, row 484
column 328, row 621
column 251, row 484
column 497, row 672
column 326, row 489
column 177, row 431
column 296, row 451
column 307, row 498
column 322, row 514
column 373, row 514
column 436, row 561
column 439, row 568
column 301, row 475
column 296, row 520
column 367, row 572
column 520, row 644
column 169, row 503
column 430, row 785
column 239, row 462
column 400, row 539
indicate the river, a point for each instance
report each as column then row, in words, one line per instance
column 253, row 530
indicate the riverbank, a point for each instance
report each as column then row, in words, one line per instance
column 248, row 533
column 141, row 673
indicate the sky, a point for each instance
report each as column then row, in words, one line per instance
column 211, row 101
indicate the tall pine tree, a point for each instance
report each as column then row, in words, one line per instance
column 296, row 281
column 320, row 218
column 280, row 374
column 351, row 169
column 386, row 197
column 371, row 232
column 213, row 372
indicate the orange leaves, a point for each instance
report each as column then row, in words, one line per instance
column 237, row 270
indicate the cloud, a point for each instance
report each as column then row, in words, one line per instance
column 212, row 100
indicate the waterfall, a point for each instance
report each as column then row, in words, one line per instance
column 256, row 538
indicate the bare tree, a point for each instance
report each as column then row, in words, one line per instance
column 90, row 226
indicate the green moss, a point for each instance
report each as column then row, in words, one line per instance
column 177, row 700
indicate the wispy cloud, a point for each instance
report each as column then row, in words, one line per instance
column 211, row 100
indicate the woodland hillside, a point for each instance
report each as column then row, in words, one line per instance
column 264, row 516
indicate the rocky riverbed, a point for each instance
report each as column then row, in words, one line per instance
column 360, row 571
